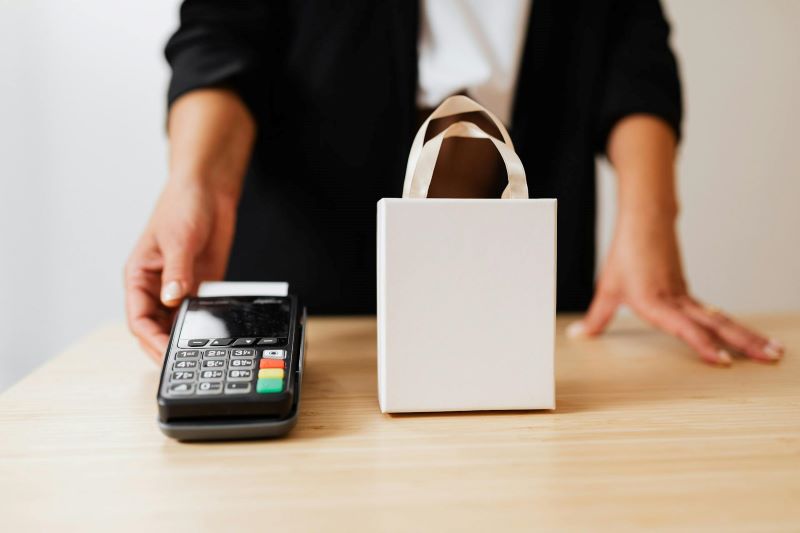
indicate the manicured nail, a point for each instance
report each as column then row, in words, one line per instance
column 171, row 291
column 723, row 357
column 774, row 349
column 777, row 344
column 576, row 330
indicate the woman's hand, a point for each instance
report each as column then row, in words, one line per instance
column 187, row 240
column 643, row 268
column 189, row 236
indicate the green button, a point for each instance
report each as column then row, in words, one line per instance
column 265, row 385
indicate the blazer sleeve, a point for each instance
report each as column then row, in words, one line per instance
column 641, row 73
column 219, row 44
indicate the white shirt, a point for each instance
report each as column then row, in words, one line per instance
column 473, row 46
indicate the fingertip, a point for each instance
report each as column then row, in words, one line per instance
column 724, row 358
column 599, row 315
column 774, row 350
column 151, row 352
column 777, row 344
column 172, row 293
column 155, row 346
column 577, row 330
column 161, row 343
column 764, row 352
column 152, row 338
column 592, row 330
column 719, row 358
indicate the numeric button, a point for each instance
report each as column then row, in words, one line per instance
column 209, row 387
column 210, row 375
column 215, row 353
column 240, row 375
column 243, row 352
column 242, row 363
column 182, row 375
column 213, row 363
column 186, row 354
column 182, row 364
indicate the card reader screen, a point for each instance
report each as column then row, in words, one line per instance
column 236, row 317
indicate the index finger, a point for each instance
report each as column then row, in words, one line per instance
column 147, row 319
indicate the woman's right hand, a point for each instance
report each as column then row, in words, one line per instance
column 188, row 238
column 186, row 241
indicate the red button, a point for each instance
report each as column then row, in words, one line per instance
column 270, row 363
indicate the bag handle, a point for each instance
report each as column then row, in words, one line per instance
column 423, row 155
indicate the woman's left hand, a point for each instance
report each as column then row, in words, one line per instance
column 643, row 270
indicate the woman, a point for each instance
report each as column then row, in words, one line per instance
column 289, row 120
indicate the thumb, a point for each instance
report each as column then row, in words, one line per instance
column 177, row 276
column 600, row 313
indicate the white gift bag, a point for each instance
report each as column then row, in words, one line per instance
column 466, row 288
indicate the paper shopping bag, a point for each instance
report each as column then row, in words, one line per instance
column 466, row 288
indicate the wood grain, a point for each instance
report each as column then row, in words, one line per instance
column 644, row 437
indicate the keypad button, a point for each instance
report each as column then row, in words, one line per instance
column 209, row 387
column 270, row 373
column 274, row 354
column 182, row 375
column 213, row 363
column 206, row 375
column 266, row 386
column 215, row 353
column 271, row 363
column 221, row 342
column 181, row 389
column 196, row 343
column 187, row 354
column 243, row 352
column 184, row 364
column 249, row 341
column 241, row 363
column 240, row 375
column 267, row 341
column 237, row 387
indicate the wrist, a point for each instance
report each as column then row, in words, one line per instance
column 647, row 197
column 648, row 213
column 224, row 190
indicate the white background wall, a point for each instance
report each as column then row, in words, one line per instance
column 82, row 157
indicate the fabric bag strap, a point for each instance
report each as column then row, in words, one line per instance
column 423, row 155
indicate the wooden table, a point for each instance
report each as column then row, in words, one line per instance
column 644, row 436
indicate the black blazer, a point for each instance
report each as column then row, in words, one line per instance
column 332, row 85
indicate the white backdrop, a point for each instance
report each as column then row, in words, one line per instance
column 82, row 157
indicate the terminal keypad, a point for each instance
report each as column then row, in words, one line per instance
column 228, row 371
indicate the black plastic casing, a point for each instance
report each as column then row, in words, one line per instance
column 251, row 415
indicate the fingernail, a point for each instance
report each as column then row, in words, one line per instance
column 171, row 291
column 774, row 349
column 576, row 330
column 723, row 357
column 775, row 343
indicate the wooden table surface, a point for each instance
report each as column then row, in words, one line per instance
column 644, row 436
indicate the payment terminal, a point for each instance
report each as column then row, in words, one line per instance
column 233, row 368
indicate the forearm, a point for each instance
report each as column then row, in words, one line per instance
column 642, row 149
column 211, row 134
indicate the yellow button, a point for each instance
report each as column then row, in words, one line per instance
column 270, row 373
